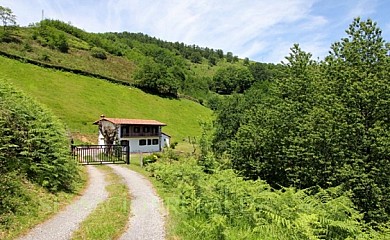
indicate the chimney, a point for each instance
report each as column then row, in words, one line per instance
column 102, row 116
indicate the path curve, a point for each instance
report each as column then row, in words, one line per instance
column 62, row 225
column 146, row 221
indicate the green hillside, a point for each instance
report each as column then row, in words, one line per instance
column 148, row 63
column 80, row 100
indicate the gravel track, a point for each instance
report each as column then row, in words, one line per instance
column 147, row 213
column 62, row 225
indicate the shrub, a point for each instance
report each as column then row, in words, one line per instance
column 98, row 53
column 12, row 196
column 33, row 142
column 45, row 57
column 151, row 158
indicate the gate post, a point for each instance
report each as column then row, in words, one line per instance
column 128, row 154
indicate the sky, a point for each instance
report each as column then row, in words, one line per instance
column 262, row 30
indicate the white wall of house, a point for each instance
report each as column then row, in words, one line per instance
column 136, row 147
column 147, row 144
column 165, row 140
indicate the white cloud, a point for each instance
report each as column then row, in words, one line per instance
column 362, row 8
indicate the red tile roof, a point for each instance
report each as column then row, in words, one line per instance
column 122, row 121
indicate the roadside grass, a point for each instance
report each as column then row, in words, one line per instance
column 40, row 206
column 79, row 101
column 110, row 218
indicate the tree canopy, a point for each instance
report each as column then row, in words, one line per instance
column 324, row 124
column 7, row 17
column 232, row 79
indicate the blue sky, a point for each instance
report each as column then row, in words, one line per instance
column 263, row 30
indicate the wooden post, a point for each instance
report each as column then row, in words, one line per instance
column 128, row 154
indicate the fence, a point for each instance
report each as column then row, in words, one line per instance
column 101, row 154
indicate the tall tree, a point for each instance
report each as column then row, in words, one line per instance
column 326, row 124
column 358, row 69
column 273, row 141
column 7, row 17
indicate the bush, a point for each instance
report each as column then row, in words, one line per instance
column 98, row 53
column 151, row 158
column 52, row 37
column 12, row 196
column 33, row 142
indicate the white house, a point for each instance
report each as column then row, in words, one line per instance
column 140, row 134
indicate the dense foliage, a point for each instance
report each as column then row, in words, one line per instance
column 232, row 80
column 33, row 147
column 324, row 124
column 223, row 205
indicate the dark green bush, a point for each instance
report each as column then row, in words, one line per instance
column 98, row 53
column 33, row 142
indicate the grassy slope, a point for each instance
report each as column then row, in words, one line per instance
column 79, row 56
column 79, row 100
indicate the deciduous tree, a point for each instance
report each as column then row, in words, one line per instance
column 7, row 17
column 232, row 79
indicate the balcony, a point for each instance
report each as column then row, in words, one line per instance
column 141, row 134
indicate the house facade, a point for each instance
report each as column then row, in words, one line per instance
column 141, row 135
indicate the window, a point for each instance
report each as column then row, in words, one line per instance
column 125, row 131
column 155, row 129
column 149, row 141
column 155, row 141
column 142, row 142
column 136, row 129
column 146, row 129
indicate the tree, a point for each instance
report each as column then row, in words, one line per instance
column 325, row 124
column 358, row 71
column 246, row 61
column 157, row 78
column 260, row 71
column 7, row 17
column 274, row 139
column 196, row 57
column 61, row 42
column 229, row 57
column 109, row 133
column 232, row 79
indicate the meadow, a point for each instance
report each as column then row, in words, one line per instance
column 79, row 101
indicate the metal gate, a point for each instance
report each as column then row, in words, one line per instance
column 101, row 154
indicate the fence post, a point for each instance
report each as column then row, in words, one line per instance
column 128, row 154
